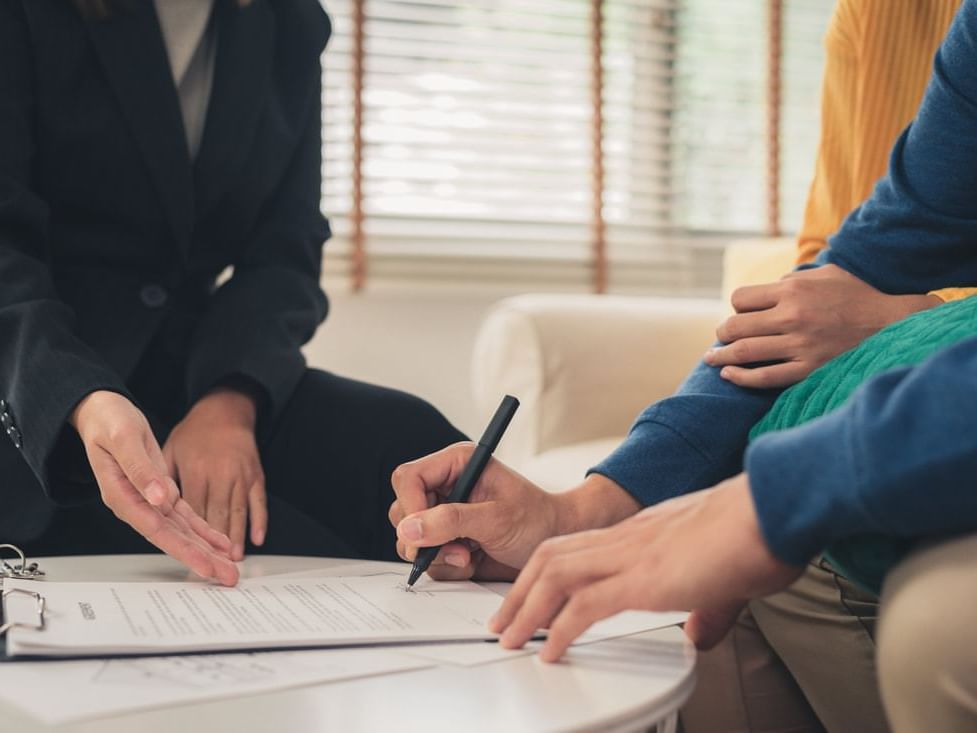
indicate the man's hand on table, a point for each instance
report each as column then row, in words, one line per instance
column 703, row 551
column 492, row 535
column 134, row 483
column 801, row 322
column 213, row 455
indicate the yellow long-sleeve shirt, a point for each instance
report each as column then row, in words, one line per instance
column 879, row 59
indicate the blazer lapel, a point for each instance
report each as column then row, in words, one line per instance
column 242, row 80
column 130, row 46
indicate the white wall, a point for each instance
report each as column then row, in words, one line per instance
column 418, row 340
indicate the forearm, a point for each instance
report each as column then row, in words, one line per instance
column 689, row 441
column 898, row 459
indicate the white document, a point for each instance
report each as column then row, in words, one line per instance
column 99, row 619
column 62, row 691
column 476, row 653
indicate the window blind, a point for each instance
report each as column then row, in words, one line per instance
column 477, row 143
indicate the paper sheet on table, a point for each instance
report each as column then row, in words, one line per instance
column 62, row 691
column 100, row 619
column 474, row 653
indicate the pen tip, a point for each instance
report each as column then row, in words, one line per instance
column 415, row 573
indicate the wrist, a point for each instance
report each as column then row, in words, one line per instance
column 88, row 407
column 906, row 305
column 228, row 404
column 597, row 502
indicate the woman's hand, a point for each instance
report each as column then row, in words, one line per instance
column 504, row 520
column 213, row 455
column 801, row 322
column 702, row 551
column 134, row 484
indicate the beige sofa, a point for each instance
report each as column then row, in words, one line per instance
column 584, row 366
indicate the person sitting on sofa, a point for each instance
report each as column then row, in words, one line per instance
column 855, row 470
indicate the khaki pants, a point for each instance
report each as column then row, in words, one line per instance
column 815, row 657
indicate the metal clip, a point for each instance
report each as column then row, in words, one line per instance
column 38, row 599
column 24, row 571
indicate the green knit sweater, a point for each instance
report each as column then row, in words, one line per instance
column 866, row 559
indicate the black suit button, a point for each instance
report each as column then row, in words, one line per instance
column 3, row 405
column 153, row 296
column 14, row 434
column 6, row 421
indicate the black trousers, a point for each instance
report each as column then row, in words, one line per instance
column 327, row 466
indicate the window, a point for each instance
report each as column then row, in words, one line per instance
column 480, row 153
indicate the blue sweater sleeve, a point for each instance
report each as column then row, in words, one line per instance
column 898, row 459
column 918, row 229
column 917, row 232
column 688, row 441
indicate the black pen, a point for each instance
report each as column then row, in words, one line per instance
column 469, row 476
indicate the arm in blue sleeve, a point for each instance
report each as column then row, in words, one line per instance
column 898, row 459
column 918, row 229
column 688, row 441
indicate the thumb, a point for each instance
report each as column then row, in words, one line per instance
column 446, row 522
column 149, row 477
column 706, row 627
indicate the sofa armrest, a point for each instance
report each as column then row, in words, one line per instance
column 584, row 366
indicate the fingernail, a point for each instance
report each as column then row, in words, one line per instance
column 455, row 559
column 724, row 373
column 708, row 356
column 259, row 537
column 238, row 551
column 155, row 492
column 411, row 529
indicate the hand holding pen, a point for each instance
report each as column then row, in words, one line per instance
column 469, row 477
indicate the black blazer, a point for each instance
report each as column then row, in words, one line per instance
column 111, row 238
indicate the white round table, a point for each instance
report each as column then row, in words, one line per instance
column 512, row 695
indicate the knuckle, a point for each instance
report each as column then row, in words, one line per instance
column 454, row 514
column 790, row 317
column 742, row 351
column 548, row 549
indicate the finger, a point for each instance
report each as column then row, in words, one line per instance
column 586, row 607
column 145, row 475
column 395, row 513
column 767, row 377
column 706, row 627
column 434, row 473
column 193, row 488
column 198, row 525
column 755, row 297
column 559, row 578
column 258, row 511
column 238, row 520
column 170, row 459
column 751, row 351
column 746, row 325
column 446, row 522
column 218, row 514
column 442, row 570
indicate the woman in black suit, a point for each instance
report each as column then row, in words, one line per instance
column 144, row 148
